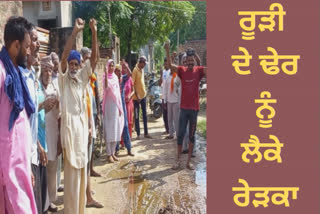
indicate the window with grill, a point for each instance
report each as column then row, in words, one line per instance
column 46, row 5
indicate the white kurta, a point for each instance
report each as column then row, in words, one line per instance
column 112, row 122
column 74, row 117
column 52, row 128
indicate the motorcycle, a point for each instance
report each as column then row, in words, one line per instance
column 154, row 97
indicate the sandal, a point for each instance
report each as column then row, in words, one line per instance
column 116, row 154
column 147, row 136
column 176, row 166
column 115, row 158
column 190, row 166
column 94, row 204
column 185, row 151
column 94, row 174
column 110, row 159
column 130, row 154
column 60, row 189
column 169, row 137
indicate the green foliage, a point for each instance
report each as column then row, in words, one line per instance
column 202, row 128
column 99, row 10
column 151, row 21
column 159, row 54
column 196, row 29
column 136, row 23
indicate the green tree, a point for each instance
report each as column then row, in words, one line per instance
column 136, row 23
column 159, row 54
column 151, row 22
column 99, row 11
column 196, row 29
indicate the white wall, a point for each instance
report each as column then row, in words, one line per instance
column 66, row 14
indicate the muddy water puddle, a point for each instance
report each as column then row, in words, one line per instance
column 136, row 188
column 143, row 197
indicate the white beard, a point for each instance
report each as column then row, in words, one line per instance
column 73, row 75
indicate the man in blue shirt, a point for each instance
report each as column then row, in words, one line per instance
column 37, row 151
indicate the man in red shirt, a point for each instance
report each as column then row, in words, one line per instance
column 190, row 76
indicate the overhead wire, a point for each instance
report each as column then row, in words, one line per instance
column 144, row 2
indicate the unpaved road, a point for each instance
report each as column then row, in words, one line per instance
column 146, row 183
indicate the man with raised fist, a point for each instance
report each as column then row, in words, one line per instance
column 73, row 81
column 190, row 76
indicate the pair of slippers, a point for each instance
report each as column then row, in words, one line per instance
column 94, row 204
column 178, row 166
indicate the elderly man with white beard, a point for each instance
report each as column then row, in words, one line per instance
column 73, row 81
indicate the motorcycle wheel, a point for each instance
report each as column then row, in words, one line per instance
column 157, row 110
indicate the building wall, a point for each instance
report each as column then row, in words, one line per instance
column 32, row 10
column 29, row 9
column 65, row 14
column 60, row 10
column 105, row 53
column 59, row 37
column 51, row 14
column 7, row 9
column 200, row 46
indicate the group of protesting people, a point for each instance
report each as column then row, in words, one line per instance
column 51, row 106
column 180, row 88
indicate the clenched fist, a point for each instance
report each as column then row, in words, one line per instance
column 167, row 44
column 93, row 25
column 79, row 24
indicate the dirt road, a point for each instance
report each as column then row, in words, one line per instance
column 146, row 183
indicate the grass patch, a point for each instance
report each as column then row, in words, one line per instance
column 202, row 128
column 203, row 103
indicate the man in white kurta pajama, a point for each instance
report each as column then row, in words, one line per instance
column 74, row 120
column 51, row 90
column 74, row 135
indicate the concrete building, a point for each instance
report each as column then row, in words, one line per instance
column 7, row 9
column 148, row 52
column 54, row 20
column 48, row 14
column 200, row 46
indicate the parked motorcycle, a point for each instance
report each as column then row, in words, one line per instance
column 154, row 97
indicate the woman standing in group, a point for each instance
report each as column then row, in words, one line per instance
column 126, row 139
column 113, row 117
column 128, row 92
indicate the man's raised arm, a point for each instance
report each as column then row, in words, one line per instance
column 173, row 67
column 93, row 27
column 78, row 26
column 197, row 59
